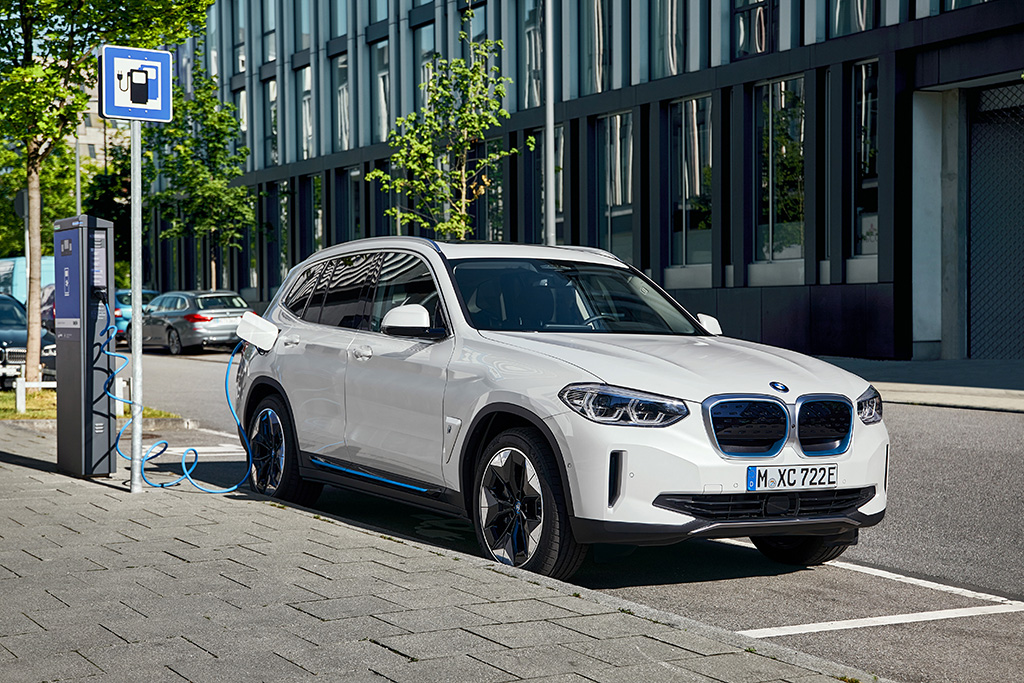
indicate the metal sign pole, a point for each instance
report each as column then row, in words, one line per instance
column 549, row 123
column 136, row 324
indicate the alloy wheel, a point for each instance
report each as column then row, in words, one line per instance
column 511, row 507
column 267, row 444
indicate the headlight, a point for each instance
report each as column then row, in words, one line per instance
column 869, row 407
column 616, row 406
column 49, row 350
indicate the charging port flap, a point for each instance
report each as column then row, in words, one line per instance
column 258, row 331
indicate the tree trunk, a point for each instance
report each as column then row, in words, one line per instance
column 33, row 261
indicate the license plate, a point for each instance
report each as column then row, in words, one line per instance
column 790, row 478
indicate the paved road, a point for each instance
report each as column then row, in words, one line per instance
column 954, row 520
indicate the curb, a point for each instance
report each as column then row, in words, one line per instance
column 171, row 424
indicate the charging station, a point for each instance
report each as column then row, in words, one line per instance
column 84, row 278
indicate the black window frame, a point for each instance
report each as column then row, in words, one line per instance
column 743, row 7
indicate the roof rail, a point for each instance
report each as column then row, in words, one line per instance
column 592, row 250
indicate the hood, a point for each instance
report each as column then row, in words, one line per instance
column 18, row 337
column 691, row 368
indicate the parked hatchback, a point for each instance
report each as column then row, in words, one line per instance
column 184, row 322
column 557, row 398
column 123, row 309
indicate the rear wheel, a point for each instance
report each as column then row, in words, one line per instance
column 804, row 551
column 519, row 508
column 275, row 455
column 174, row 342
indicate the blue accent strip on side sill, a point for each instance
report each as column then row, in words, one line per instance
column 374, row 477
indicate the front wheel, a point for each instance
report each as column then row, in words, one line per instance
column 804, row 551
column 519, row 508
column 275, row 455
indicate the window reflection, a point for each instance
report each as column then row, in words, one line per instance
column 780, row 188
column 304, row 87
column 270, row 153
column 423, row 53
column 595, row 46
column 755, row 27
column 865, row 189
column 668, row 21
column 342, row 105
column 302, row 25
column 615, row 185
column 238, row 9
column 270, row 30
column 691, row 181
column 531, row 55
column 852, row 16
column 339, row 18
column 380, row 99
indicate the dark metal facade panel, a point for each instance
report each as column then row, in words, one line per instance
column 785, row 317
column 739, row 311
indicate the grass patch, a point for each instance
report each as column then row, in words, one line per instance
column 42, row 405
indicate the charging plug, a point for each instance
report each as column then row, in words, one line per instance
column 258, row 331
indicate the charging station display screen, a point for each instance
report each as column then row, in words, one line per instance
column 98, row 259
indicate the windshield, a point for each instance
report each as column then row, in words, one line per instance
column 12, row 314
column 125, row 298
column 220, row 301
column 532, row 295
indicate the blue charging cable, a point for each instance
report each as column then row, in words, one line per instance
column 159, row 447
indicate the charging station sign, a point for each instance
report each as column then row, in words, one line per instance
column 135, row 84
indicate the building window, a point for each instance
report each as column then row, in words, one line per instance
column 380, row 97
column 755, row 27
column 269, row 30
column 865, row 131
column 690, row 165
column 957, row 4
column 350, row 204
column 595, row 46
column 238, row 8
column 270, row 148
column 342, row 104
column 339, row 18
column 242, row 112
column 541, row 201
column 423, row 53
column 615, row 184
column 531, row 46
column 212, row 53
column 851, row 16
column 304, row 97
column 668, row 32
column 303, row 22
column 780, row 170
column 378, row 10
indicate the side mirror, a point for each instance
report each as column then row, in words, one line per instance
column 710, row 324
column 411, row 320
column 146, row 310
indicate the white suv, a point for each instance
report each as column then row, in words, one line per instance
column 557, row 398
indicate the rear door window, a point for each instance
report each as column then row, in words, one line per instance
column 299, row 295
column 345, row 288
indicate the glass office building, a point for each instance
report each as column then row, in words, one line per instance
column 838, row 177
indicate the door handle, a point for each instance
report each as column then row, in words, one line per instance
column 290, row 341
column 362, row 352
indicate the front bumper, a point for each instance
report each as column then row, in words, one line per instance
column 635, row 485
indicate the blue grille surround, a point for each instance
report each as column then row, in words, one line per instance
column 824, row 424
column 748, row 426
column 760, row 426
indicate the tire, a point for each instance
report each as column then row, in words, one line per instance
column 804, row 551
column 174, row 342
column 519, row 509
column 275, row 466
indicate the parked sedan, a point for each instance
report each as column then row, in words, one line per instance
column 13, row 341
column 184, row 322
column 123, row 308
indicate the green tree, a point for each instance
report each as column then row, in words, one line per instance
column 47, row 65
column 196, row 157
column 57, row 188
column 440, row 163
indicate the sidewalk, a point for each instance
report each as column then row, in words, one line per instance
column 174, row 585
column 977, row 384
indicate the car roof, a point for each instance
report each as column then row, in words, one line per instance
column 481, row 250
column 204, row 292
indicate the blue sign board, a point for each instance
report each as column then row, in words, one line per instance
column 135, row 84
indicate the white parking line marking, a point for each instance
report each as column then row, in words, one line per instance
column 819, row 627
column 1002, row 606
